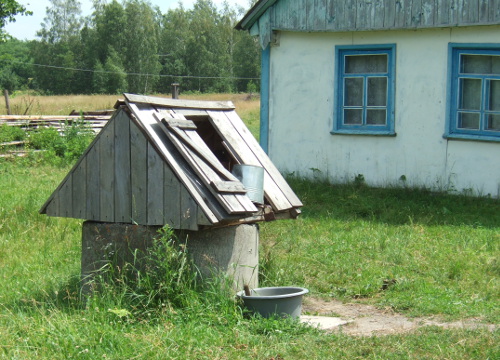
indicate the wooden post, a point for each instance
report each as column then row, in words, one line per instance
column 7, row 101
column 175, row 91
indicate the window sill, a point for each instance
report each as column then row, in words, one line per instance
column 363, row 132
column 466, row 137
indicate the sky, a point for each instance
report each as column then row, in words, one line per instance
column 25, row 27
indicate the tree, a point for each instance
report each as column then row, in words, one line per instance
column 62, row 21
column 174, row 35
column 8, row 10
column 60, row 49
column 15, row 69
column 141, row 46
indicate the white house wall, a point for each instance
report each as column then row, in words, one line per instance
column 302, row 107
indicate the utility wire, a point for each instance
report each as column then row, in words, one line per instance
column 135, row 74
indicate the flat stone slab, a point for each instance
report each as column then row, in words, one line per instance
column 323, row 322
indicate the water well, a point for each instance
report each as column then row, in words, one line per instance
column 162, row 161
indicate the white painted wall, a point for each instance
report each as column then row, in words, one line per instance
column 302, row 108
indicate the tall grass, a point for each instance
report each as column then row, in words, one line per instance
column 32, row 104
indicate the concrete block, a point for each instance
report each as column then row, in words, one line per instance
column 230, row 251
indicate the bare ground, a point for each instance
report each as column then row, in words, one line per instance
column 368, row 320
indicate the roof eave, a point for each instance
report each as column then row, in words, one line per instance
column 254, row 14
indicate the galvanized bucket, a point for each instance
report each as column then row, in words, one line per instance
column 252, row 178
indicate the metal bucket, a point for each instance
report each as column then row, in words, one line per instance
column 281, row 301
column 252, row 178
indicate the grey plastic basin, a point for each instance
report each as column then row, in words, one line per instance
column 268, row 301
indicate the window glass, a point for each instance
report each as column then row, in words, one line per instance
column 480, row 64
column 353, row 92
column 353, row 117
column 376, row 117
column 493, row 122
column 470, row 94
column 468, row 120
column 494, row 103
column 377, row 91
column 361, row 64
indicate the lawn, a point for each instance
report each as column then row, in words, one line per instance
column 439, row 253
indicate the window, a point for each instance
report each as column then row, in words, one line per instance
column 365, row 90
column 474, row 92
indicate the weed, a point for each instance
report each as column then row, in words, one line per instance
column 11, row 133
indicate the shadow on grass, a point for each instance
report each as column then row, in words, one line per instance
column 66, row 297
column 395, row 206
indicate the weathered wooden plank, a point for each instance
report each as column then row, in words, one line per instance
column 176, row 103
column 454, row 18
column 172, row 209
column 239, row 202
column 443, row 8
column 335, row 15
column 79, row 190
column 295, row 20
column 190, row 112
column 249, row 152
column 350, row 15
column 92, row 179
column 138, row 174
column 65, row 198
column 179, row 123
column 390, row 14
column 362, row 15
column 107, row 175
column 428, row 13
column 51, row 208
column 208, row 175
column 123, row 190
column 484, row 11
column 190, row 139
column 400, row 16
column 473, row 17
column 319, row 22
column 228, row 186
column 309, row 14
column 462, row 11
column 378, row 14
column 155, row 204
column 494, row 11
column 189, row 216
column 148, row 122
column 416, row 13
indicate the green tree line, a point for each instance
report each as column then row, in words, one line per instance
column 131, row 46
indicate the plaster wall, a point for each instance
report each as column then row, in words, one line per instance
column 302, row 104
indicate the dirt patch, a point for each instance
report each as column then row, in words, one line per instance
column 368, row 320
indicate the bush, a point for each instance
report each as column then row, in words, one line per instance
column 69, row 144
column 11, row 133
column 47, row 138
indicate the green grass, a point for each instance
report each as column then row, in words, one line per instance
column 439, row 253
column 442, row 251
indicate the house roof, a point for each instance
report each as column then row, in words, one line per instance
column 363, row 15
column 153, row 150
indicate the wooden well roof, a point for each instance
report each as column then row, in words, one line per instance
column 161, row 161
column 365, row 15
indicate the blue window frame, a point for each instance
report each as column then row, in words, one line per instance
column 365, row 89
column 474, row 92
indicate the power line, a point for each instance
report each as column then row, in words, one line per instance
column 135, row 74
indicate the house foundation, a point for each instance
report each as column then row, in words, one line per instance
column 229, row 251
